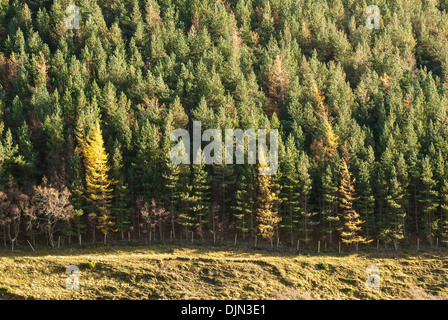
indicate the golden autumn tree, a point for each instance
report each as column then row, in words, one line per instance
column 42, row 69
column 326, row 143
column 352, row 223
column 267, row 217
column 99, row 191
column 278, row 84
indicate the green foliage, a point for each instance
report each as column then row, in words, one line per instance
column 141, row 69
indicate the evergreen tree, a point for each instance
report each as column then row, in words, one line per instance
column 121, row 207
column 329, row 213
column 428, row 200
column 200, row 195
column 290, row 194
column 245, row 198
column 305, row 186
column 77, row 190
column 366, row 201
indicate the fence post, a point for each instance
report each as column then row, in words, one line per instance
column 298, row 245
column 318, row 246
column 339, row 247
column 418, row 244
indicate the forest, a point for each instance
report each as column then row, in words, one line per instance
column 86, row 115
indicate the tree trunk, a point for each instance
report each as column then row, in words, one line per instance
column 4, row 236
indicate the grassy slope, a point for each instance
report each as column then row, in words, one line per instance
column 162, row 272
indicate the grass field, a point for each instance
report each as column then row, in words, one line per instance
column 170, row 272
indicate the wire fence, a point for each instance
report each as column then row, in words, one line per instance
column 299, row 248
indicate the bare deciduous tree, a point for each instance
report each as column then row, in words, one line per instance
column 153, row 215
column 13, row 206
column 51, row 209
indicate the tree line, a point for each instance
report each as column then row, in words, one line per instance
column 86, row 116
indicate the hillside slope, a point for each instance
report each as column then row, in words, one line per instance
column 164, row 272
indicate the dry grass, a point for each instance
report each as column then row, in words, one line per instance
column 165, row 272
column 416, row 293
column 291, row 294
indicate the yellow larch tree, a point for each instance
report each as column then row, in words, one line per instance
column 327, row 140
column 267, row 217
column 98, row 184
column 352, row 222
column 278, row 84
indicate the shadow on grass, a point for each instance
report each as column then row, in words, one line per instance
column 204, row 249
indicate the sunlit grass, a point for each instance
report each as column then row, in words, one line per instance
column 166, row 272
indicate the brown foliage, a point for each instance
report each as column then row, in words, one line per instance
column 153, row 215
column 50, row 208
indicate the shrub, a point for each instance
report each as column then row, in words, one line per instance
column 88, row 265
column 322, row 266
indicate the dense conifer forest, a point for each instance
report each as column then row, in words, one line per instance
column 86, row 115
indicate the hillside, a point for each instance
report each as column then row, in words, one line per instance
column 92, row 92
column 164, row 272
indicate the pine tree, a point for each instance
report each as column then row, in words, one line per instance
column 121, row 207
column 290, row 194
column 305, row 186
column 26, row 149
column 366, row 201
column 245, row 198
column 172, row 195
column 329, row 213
column 77, row 190
column 393, row 228
column 200, row 194
column 278, row 84
column 428, row 199
column 148, row 160
column 10, row 159
column 444, row 210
